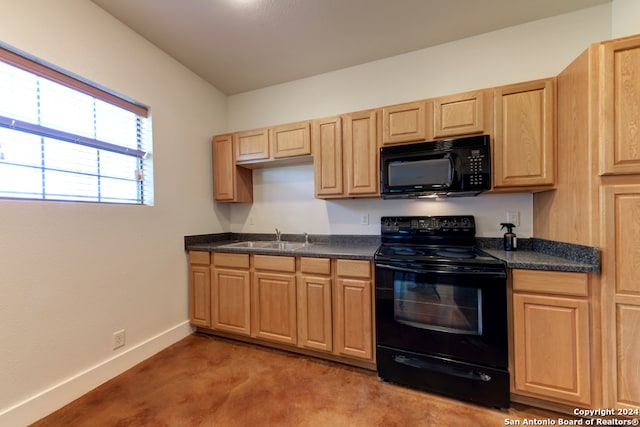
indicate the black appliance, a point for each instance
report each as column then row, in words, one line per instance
column 441, row 310
column 445, row 168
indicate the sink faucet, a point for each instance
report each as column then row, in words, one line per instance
column 277, row 235
column 306, row 238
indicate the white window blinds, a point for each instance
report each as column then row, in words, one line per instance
column 64, row 139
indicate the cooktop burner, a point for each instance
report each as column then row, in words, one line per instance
column 435, row 239
column 401, row 252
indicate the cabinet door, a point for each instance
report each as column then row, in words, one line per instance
column 460, row 114
column 314, row 312
column 353, row 332
column 200, row 295
column 621, row 293
column 274, row 303
column 524, row 145
column 326, row 135
column 290, row 140
column 406, row 122
column 551, row 347
column 230, row 182
column 230, row 301
column 620, row 105
column 252, row 145
column 361, row 154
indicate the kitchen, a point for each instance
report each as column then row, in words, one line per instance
column 74, row 256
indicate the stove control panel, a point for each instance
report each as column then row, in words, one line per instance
column 427, row 224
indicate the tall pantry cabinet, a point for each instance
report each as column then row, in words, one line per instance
column 597, row 203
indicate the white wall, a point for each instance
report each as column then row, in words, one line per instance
column 71, row 273
column 625, row 18
column 525, row 52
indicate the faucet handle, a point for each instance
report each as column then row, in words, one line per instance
column 306, row 238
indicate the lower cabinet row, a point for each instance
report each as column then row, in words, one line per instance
column 318, row 304
column 326, row 305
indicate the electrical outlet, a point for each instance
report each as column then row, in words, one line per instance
column 364, row 219
column 118, row 339
column 514, row 218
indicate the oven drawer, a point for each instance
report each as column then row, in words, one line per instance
column 461, row 380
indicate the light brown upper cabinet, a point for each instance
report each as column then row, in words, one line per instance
column 462, row 114
column 255, row 147
column 231, row 183
column 326, row 135
column 346, row 156
column 290, row 140
column 525, row 129
column 407, row 122
column 620, row 89
column 252, row 145
column 361, row 154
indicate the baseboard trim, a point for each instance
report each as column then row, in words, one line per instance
column 53, row 398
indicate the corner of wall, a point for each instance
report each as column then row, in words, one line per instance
column 55, row 397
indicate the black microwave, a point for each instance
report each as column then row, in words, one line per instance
column 444, row 168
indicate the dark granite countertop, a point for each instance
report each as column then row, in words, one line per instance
column 321, row 246
column 532, row 254
column 540, row 254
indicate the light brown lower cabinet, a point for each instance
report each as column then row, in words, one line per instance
column 274, row 299
column 551, row 336
column 353, row 327
column 230, row 295
column 315, row 313
column 318, row 304
column 199, row 288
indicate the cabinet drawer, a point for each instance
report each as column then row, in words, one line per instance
column 274, row 263
column 315, row 265
column 198, row 257
column 551, row 282
column 231, row 260
column 353, row 268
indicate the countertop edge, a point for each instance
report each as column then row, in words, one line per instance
column 534, row 254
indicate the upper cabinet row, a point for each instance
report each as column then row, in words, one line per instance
column 520, row 119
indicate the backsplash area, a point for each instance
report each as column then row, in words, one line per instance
column 283, row 199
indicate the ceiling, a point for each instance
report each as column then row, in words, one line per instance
column 241, row 45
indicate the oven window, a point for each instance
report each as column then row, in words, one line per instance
column 424, row 302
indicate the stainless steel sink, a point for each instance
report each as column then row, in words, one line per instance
column 259, row 244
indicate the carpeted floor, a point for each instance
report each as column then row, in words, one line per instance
column 208, row 381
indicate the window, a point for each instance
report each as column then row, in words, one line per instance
column 62, row 138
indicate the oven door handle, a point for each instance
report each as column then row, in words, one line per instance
column 448, row 370
column 495, row 273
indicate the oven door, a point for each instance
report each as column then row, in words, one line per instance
column 444, row 312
